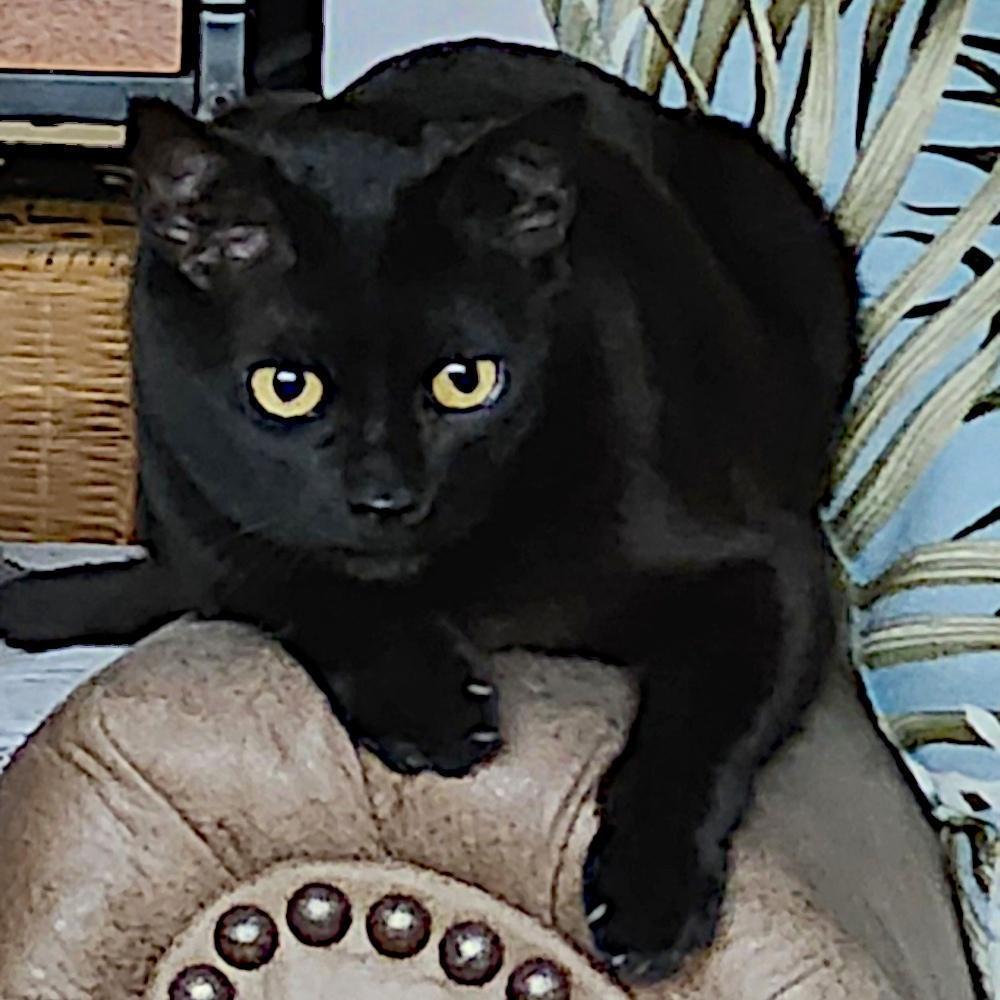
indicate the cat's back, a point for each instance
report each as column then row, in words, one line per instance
column 488, row 79
column 693, row 158
column 472, row 81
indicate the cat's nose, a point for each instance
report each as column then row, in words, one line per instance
column 383, row 504
column 376, row 488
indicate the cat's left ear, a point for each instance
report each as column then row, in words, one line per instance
column 198, row 199
column 514, row 190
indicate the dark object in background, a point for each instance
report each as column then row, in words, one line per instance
column 219, row 52
column 286, row 45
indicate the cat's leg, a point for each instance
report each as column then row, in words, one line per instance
column 728, row 660
column 106, row 603
column 411, row 688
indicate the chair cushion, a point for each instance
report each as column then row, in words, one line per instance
column 204, row 771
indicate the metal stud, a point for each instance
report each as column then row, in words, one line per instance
column 471, row 953
column 319, row 914
column 538, row 979
column 398, row 926
column 201, row 982
column 246, row 937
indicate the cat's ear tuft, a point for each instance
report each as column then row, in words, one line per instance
column 204, row 215
column 516, row 186
column 172, row 154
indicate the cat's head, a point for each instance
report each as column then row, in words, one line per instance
column 342, row 315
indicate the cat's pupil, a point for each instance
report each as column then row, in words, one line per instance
column 464, row 380
column 288, row 385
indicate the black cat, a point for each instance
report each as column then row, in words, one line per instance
column 489, row 351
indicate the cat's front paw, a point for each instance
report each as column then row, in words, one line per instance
column 460, row 732
column 426, row 704
column 650, row 899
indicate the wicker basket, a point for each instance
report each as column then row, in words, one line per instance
column 67, row 451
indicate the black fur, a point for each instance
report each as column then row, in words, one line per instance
column 675, row 314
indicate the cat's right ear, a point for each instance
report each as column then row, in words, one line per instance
column 185, row 194
column 514, row 189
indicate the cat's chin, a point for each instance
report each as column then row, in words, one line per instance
column 382, row 568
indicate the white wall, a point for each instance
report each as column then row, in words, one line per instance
column 360, row 33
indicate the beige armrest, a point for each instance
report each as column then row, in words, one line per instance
column 206, row 759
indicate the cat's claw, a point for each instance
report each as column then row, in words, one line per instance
column 486, row 736
column 645, row 962
column 463, row 733
column 644, row 927
column 450, row 760
column 479, row 689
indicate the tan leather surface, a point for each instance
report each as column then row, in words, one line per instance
column 563, row 726
column 141, row 36
column 851, row 835
column 206, row 759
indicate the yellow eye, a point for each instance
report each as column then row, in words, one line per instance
column 467, row 385
column 287, row 393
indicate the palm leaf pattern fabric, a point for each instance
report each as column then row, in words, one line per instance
column 892, row 109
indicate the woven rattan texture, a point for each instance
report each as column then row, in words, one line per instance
column 67, row 452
